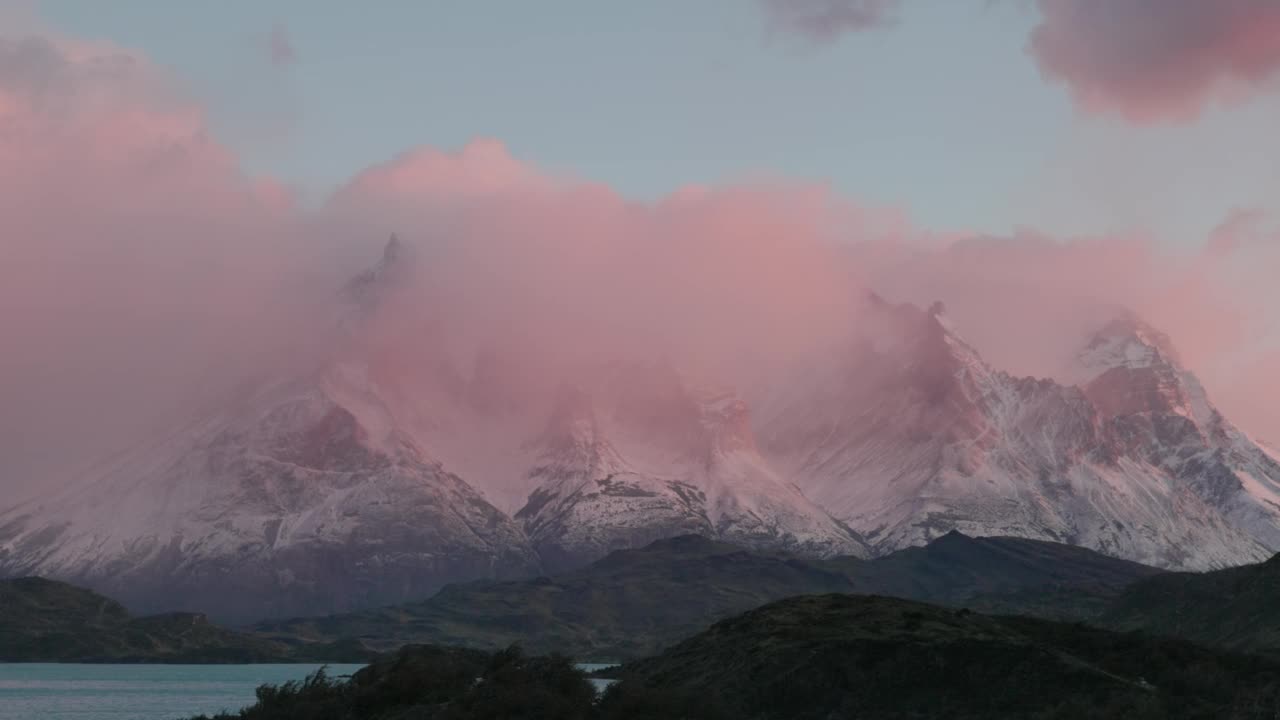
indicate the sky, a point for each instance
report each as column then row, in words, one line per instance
column 939, row 110
column 183, row 185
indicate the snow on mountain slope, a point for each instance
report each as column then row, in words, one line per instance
column 908, row 434
column 631, row 456
column 303, row 496
column 403, row 460
column 372, row 478
column 1160, row 410
column 644, row 457
column 303, row 502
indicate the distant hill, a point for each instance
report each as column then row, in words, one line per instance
column 1003, row 575
column 1237, row 608
column 630, row 603
column 48, row 621
column 829, row 656
column 636, row 602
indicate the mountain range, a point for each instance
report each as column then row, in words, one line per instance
column 388, row 468
column 636, row 603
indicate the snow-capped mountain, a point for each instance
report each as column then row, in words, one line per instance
column 646, row 457
column 299, row 500
column 908, row 434
column 300, row 495
column 1157, row 409
column 397, row 462
column 385, row 470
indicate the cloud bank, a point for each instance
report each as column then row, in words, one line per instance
column 133, row 252
column 1158, row 60
column 1147, row 61
column 144, row 273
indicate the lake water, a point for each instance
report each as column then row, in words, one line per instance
column 600, row 684
column 38, row 691
column 46, row 691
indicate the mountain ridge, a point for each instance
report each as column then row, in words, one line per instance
column 635, row 602
column 48, row 621
column 926, row 437
column 1233, row 609
column 865, row 656
column 396, row 464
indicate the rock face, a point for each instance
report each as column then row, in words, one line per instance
column 909, row 434
column 395, row 463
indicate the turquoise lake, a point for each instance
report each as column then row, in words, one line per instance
column 49, row 691
column 39, row 691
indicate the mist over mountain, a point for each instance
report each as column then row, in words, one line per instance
column 810, row 358
column 213, row 389
column 393, row 462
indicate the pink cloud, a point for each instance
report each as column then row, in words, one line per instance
column 735, row 280
column 578, row 271
column 1249, row 397
column 142, row 271
column 1157, row 60
column 484, row 167
column 133, row 252
column 1027, row 301
column 823, row 21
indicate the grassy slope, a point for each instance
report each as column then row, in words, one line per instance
column 859, row 656
column 1237, row 608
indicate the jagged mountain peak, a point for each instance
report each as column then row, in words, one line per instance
column 951, row 537
column 368, row 288
column 1128, row 367
column 696, row 420
column 309, row 498
column 646, row 455
column 912, row 434
column 392, row 251
column 916, row 337
column 899, row 430
column 1124, row 341
column 572, row 435
column 921, row 352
